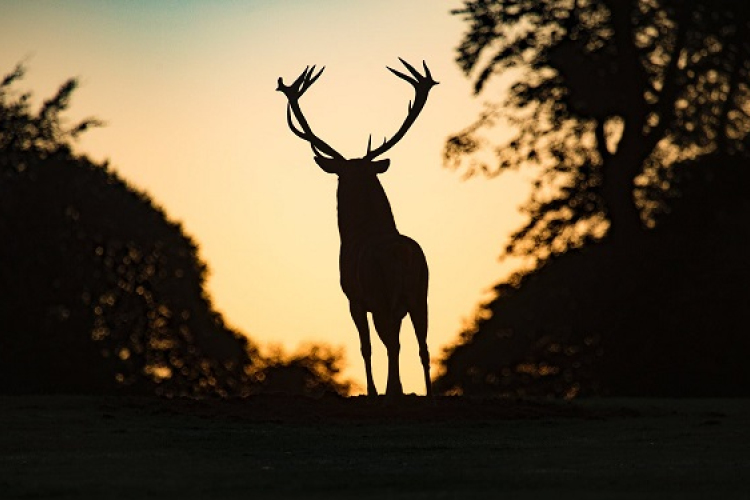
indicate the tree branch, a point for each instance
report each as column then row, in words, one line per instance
column 665, row 104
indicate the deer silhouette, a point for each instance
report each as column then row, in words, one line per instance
column 382, row 271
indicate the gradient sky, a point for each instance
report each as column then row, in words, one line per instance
column 187, row 91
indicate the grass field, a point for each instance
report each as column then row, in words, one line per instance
column 285, row 447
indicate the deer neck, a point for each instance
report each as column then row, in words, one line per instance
column 363, row 211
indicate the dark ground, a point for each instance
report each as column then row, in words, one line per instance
column 286, row 447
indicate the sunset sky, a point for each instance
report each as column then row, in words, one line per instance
column 187, row 91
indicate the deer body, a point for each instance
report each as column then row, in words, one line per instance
column 382, row 271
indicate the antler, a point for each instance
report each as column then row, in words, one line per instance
column 293, row 92
column 422, row 85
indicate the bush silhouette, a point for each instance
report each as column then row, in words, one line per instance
column 663, row 317
column 100, row 291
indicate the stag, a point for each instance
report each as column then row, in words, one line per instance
column 382, row 271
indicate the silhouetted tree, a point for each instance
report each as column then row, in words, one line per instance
column 99, row 289
column 609, row 96
column 634, row 114
column 101, row 292
column 665, row 318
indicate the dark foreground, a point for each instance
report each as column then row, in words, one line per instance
column 285, row 447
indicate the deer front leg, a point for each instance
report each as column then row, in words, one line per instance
column 388, row 329
column 359, row 315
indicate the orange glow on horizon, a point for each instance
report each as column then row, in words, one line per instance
column 187, row 92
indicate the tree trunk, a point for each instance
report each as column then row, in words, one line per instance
column 622, row 167
column 618, row 184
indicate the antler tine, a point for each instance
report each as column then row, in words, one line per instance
column 411, row 69
column 403, row 76
column 310, row 78
column 293, row 93
column 427, row 73
column 299, row 82
column 422, row 85
column 307, row 78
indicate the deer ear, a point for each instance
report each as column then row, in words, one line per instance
column 381, row 166
column 329, row 165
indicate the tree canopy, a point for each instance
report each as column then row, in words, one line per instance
column 634, row 115
column 100, row 291
column 609, row 96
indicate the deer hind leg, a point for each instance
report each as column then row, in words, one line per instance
column 418, row 315
column 359, row 315
column 388, row 328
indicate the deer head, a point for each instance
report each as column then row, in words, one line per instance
column 326, row 156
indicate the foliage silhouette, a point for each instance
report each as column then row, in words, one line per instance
column 313, row 371
column 609, row 97
column 101, row 292
column 633, row 114
column 664, row 318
